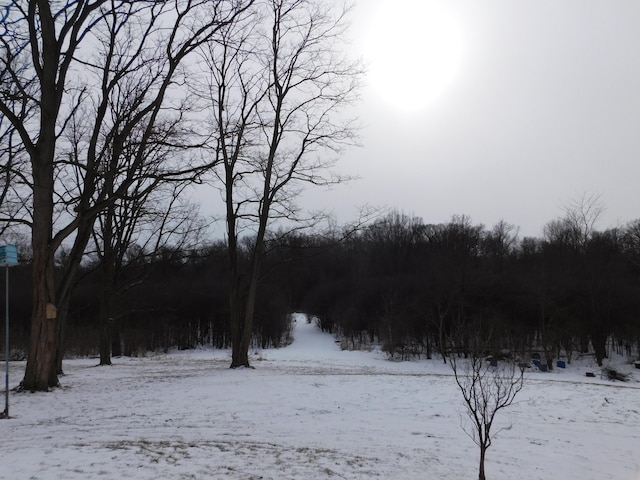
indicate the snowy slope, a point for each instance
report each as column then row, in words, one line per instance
column 309, row 411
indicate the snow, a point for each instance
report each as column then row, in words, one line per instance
column 310, row 411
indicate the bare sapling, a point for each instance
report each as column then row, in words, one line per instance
column 486, row 389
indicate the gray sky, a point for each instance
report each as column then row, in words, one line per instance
column 544, row 107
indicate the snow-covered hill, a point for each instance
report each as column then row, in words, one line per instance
column 309, row 411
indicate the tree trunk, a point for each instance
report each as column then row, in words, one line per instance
column 67, row 284
column 241, row 337
column 483, row 451
column 441, row 340
column 239, row 357
column 61, row 322
column 599, row 340
column 244, row 329
column 40, row 373
column 105, row 318
column 247, row 324
column 107, row 280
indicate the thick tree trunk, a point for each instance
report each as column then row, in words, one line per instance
column 239, row 355
column 239, row 358
column 40, row 373
column 242, row 326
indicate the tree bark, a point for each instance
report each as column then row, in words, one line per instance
column 239, row 357
column 40, row 372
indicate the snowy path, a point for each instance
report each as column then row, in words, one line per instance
column 308, row 411
column 309, row 343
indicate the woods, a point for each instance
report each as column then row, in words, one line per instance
column 410, row 286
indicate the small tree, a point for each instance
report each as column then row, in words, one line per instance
column 486, row 390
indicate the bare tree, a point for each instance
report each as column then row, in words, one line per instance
column 500, row 241
column 577, row 230
column 152, row 221
column 486, row 390
column 578, row 224
column 62, row 64
column 278, row 84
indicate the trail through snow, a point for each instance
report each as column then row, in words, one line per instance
column 309, row 411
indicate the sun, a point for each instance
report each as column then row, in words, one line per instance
column 413, row 49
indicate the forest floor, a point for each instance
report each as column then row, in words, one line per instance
column 311, row 411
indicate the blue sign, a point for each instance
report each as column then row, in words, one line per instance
column 8, row 256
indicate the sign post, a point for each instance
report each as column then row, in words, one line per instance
column 8, row 258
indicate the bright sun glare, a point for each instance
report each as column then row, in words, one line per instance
column 414, row 48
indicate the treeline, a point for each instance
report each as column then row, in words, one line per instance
column 422, row 289
column 418, row 289
column 167, row 299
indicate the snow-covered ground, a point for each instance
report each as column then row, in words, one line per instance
column 310, row 411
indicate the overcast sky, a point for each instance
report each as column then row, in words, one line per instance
column 542, row 108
